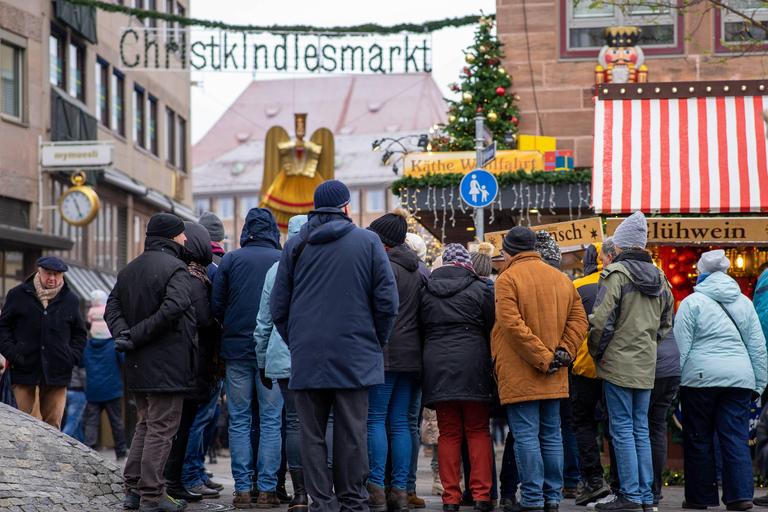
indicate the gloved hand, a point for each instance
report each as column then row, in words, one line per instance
column 123, row 342
column 264, row 379
column 553, row 366
column 563, row 356
column 755, row 396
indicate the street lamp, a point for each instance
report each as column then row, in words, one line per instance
column 396, row 147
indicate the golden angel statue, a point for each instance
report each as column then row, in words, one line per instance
column 293, row 169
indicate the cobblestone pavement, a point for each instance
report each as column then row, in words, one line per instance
column 43, row 470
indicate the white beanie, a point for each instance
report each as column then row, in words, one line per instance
column 632, row 232
column 713, row 261
column 417, row 245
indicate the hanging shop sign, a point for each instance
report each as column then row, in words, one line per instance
column 711, row 230
column 566, row 234
column 75, row 154
column 185, row 49
column 420, row 164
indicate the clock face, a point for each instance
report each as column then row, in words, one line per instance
column 76, row 206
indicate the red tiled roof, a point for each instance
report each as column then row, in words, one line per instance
column 344, row 104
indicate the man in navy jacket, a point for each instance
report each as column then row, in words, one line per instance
column 235, row 301
column 334, row 302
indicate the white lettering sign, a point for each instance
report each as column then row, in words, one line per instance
column 76, row 155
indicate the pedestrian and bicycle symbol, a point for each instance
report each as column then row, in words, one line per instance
column 479, row 188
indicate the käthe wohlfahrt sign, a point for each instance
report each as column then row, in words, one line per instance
column 711, row 230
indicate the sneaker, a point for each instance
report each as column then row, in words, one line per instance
column 739, row 505
column 167, row 504
column 607, row 499
column 242, row 500
column 620, row 504
column 132, row 501
column 570, row 493
column 437, row 485
column 761, row 501
column 206, row 492
column 483, row 506
column 594, row 491
column 415, row 502
column 650, row 507
column 213, row 485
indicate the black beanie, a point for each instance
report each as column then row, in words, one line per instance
column 391, row 227
column 519, row 239
column 165, row 225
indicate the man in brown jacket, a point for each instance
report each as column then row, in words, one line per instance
column 540, row 325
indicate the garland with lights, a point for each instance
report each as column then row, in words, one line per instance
column 367, row 28
column 483, row 89
column 505, row 179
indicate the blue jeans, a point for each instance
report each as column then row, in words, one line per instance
column 388, row 410
column 414, row 423
column 242, row 381
column 74, row 414
column 538, row 450
column 628, row 410
column 194, row 461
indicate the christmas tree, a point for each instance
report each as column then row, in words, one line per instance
column 483, row 89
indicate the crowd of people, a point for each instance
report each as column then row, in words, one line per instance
column 333, row 347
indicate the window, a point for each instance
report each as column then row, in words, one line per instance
column 583, row 27
column 105, row 237
column 246, row 203
column 225, row 208
column 153, row 126
column 10, row 79
column 138, row 4
column 101, row 82
column 180, row 11
column 56, row 65
column 374, row 201
column 202, row 206
column 354, row 201
column 118, row 103
column 139, row 133
column 182, row 144
column 170, row 136
column 152, row 6
column 170, row 26
column 732, row 30
column 76, row 71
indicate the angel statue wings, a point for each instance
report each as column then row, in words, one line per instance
column 293, row 169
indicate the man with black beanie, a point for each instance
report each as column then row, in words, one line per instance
column 157, row 331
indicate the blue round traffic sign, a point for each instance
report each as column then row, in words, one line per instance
column 479, row 188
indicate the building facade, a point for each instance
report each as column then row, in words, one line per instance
column 63, row 80
column 552, row 48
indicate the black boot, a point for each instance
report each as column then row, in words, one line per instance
column 300, row 502
column 280, row 491
column 174, row 466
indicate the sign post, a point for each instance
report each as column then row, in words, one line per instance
column 479, row 212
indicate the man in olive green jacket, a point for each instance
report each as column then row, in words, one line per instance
column 632, row 314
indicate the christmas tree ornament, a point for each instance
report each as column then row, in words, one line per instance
column 492, row 116
column 516, row 97
column 500, row 91
column 514, row 121
column 467, row 71
column 479, row 109
column 483, row 49
column 451, row 119
column 502, row 71
column 470, row 58
column 466, row 97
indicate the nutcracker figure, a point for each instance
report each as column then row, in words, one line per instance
column 621, row 60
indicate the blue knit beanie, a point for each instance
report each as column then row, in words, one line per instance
column 331, row 194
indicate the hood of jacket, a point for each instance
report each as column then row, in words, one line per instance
column 166, row 245
column 720, row 287
column 99, row 343
column 639, row 267
column 198, row 243
column 335, row 224
column 216, row 249
column 449, row 280
column 260, row 229
column 591, row 260
column 405, row 257
column 294, row 225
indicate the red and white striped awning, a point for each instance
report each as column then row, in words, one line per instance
column 692, row 147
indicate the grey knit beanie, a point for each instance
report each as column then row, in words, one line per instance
column 713, row 261
column 213, row 224
column 632, row 232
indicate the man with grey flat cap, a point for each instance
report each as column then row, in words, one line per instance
column 43, row 335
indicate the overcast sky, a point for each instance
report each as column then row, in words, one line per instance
column 216, row 91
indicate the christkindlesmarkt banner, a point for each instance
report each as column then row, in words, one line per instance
column 184, row 49
column 420, row 164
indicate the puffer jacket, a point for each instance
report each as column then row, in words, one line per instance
column 632, row 315
column 239, row 280
column 760, row 301
column 272, row 353
column 584, row 365
column 712, row 353
column 404, row 348
column 457, row 318
column 537, row 310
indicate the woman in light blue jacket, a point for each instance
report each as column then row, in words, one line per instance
column 723, row 361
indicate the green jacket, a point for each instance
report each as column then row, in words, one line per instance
column 631, row 316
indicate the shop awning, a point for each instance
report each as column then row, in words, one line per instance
column 84, row 280
column 681, row 147
column 32, row 238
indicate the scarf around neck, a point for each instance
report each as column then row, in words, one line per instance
column 43, row 293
